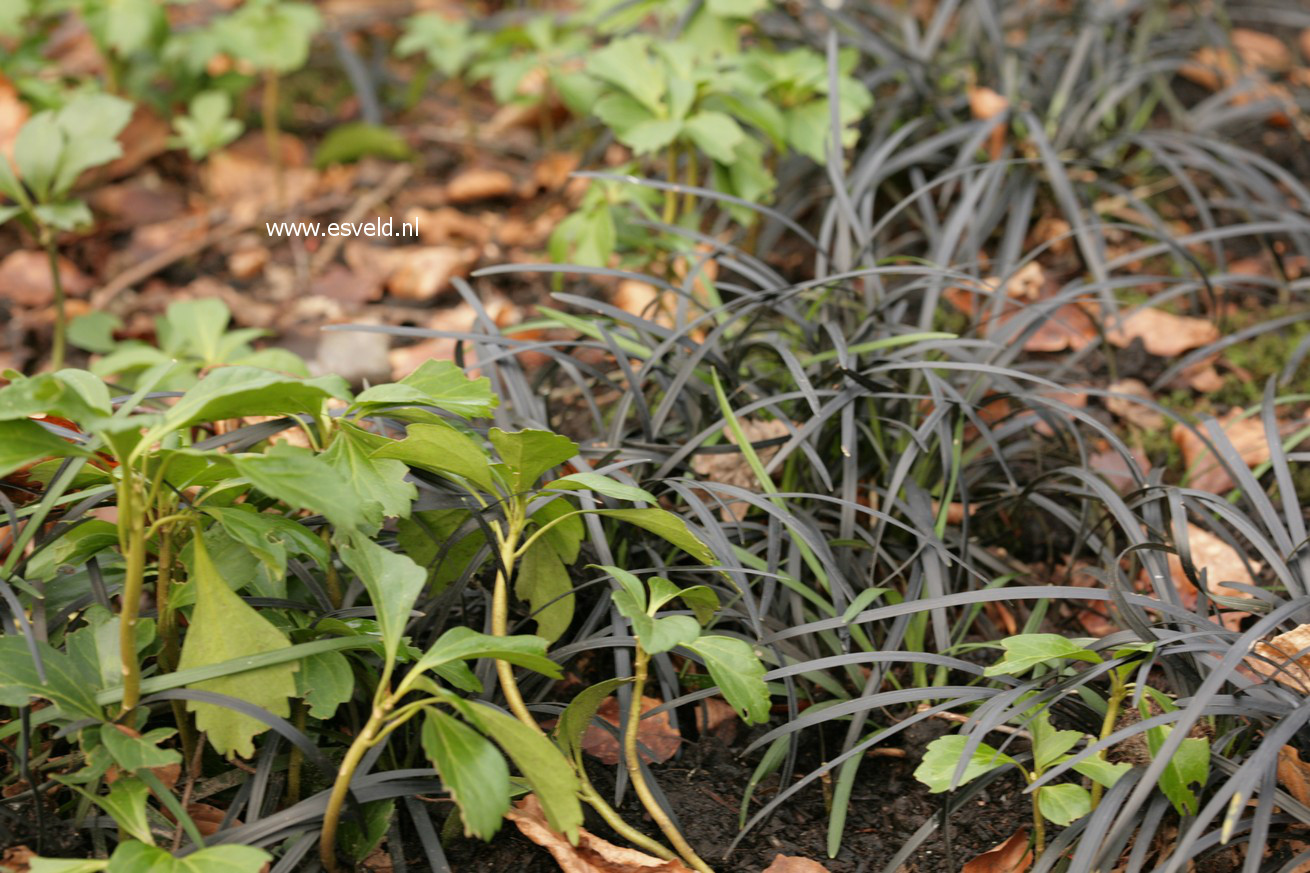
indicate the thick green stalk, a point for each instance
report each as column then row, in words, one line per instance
column 59, row 349
column 130, row 606
column 670, row 195
column 1039, row 829
column 638, row 778
column 327, row 847
column 500, row 621
column 1118, row 691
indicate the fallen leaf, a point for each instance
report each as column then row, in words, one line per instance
column 242, row 178
column 448, row 225
column 985, row 104
column 479, row 184
column 1011, row 856
column 794, row 864
column 13, row 113
column 25, row 279
column 1294, row 774
column 591, row 854
column 208, row 819
column 455, row 319
column 1162, row 333
column 1261, row 50
column 1285, row 659
column 1203, row 377
column 16, row 859
column 552, row 172
column 415, row 273
column 143, row 199
column 656, row 733
column 145, row 137
column 717, row 718
column 248, row 261
column 1305, row 43
column 1206, row 472
column 1114, row 469
column 1221, row 562
column 731, row 468
column 1069, row 328
column 1137, row 414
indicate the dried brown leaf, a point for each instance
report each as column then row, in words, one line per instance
column 1162, row 333
column 794, row 864
column 591, row 854
column 1011, row 856
column 1130, row 411
column 1221, row 562
column 656, row 733
column 731, row 468
column 1294, row 774
column 1206, row 471
column 479, row 184
column 717, row 718
column 25, row 279
column 1262, row 51
column 1284, row 659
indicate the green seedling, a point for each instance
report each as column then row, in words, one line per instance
column 208, row 126
column 52, row 150
column 1050, row 655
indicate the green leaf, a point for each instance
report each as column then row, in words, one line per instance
column 472, row 769
column 716, row 134
column 223, row 627
column 621, row 113
column 37, row 152
column 601, row 484
column 24, row 442
column 303, row 480
column 236, row 392
column 543, row 766
column 138, row 753
column 667, row 525
column 566, row 533
column 448, row 387
column 129, row 23
column 272, row 36
column 1063, row 804
column 91, row 124
column 359, row 842
column 393, row 582
column 575, row 718
column 448, row 44
column 632, row 588
column 738, row 672
column 66, row 686
column 530, row 453
column 1189, row 766
column 68, row 215
column 325, row 681
column 627, row 64
column 650, row 136
column 132, row 857
column 348, row 143
column 209, row 125
column 466, row 644
column 94, row 331
column 426, row 533
column 542, row 579
column 442, row 449
column 94, row 647
column 1026, row 651
column 126, row 804
column 1102, row 771
column 66, row 865
column 1049, row 744
column 943, row 756
column 47, row 393
column 380, row 481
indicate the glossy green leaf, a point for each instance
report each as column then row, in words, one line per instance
column 465, row 644
column 942, row 757
column 1102, row 771
column 67, row 865
column 24, row 442
column 1188, row 767
column 91, row 124
column 325, row 681
column 223, row 627
column 236, row 392
column 667, row 525
column 1026, row 651
column 393, row 582
column 126, row 804
column 357, row 839
column 1049, row 744
column 543, row 581
column 448, row 387
column 377, row 480
column 139, row 858
column 138, row 753
column 714, row 133
column 303, row 480
column 472, row 770
column 530, row 453
column 543, row 766
column 738, row 672
column 349, row 142
column 1063, row 804
column 442, row 449
column 66, row 686
column 575, row 718
column 627, row 64
column 601, row 484
column 565, row 534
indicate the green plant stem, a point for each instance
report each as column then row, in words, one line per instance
column 693, row 174
column 327, row 847
column 500, row 621
column 268, row 111
column 615, row 821
column 132, row 538
column 1118, row 691
column 170, row 649
column 296, row 761
column 1039, row 829
column 332, row 578
column 633, row 762
column 59, row 348
column 671, row 196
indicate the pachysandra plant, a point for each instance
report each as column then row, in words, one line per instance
column 955, row 760
column 52, row 150
column 200, row 519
